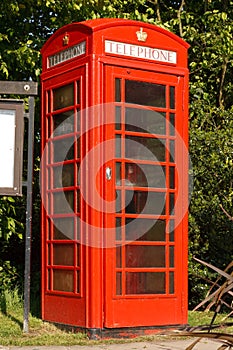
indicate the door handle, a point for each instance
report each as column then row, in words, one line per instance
column 108, row 173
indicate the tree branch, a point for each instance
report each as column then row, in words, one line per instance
column 224, row 69
column 179, row 17
column 156, row 3
column 158, row 10
column 225, row 212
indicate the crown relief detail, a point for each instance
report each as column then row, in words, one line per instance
column 66, row 39
column 142, row 36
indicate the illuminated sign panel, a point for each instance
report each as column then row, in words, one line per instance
column 11, row 147
column 7, row 137
column 137, row 51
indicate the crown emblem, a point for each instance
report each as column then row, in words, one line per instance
column 66, row 39
column 142, row 36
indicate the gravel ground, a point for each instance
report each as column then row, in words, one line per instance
column 150, row 345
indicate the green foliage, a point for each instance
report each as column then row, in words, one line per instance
column 8, row 277
column 9, row 225
column 10, row 299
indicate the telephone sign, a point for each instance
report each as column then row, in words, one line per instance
column 124, row 49
column 114, row 177
column 68, row 54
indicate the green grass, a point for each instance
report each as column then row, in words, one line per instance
column 198, row 318
column 44, row 333
column 40, row 333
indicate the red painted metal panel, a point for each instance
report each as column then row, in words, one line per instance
column 65, row 310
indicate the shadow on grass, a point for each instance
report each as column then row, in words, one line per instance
column 3, row 307
column 3, row 304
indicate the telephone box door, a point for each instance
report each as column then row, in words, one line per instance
column 144, row 260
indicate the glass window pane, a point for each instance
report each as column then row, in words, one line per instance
column 70, row 199
column 48, row 94
column 144, row 202
column 117, row 90
column 118, row 229
column 171, row 231
column 145, row 120
column 131, row 206
column 78, row 147
column 63, row 254
column 171, row 256
column 171, row 283
column 78, row 174
column 49, row 171
column 63, row 280
column 171, row 203
column 63, row 176
column 118, row 173
column 49, row 280
column 78, row 114
column 145, row 230
column 63, row 123
column 144, row 256
column 68, row 175
column 118, row 146
column 63, row 228
column 49, row 229
column 63, row 97
column 78, row 229
column 172, row 97
column 118, row 256
column 50, row 151
column 78, row 201
column 133, row 174
column 144, row 93
column 118, row 283
column 63, row 202
column 172, row 151
column 172, row 177
column 49, row 254
column 118, row 118
column 78, row 255
column 145, row 148
column 141, row 175
column 172, row 124
column 49, row 128
column 145, row 283
column 145, row 175
column 78, row 282
column 118, row 201
column 63, row 150
column 78, row 91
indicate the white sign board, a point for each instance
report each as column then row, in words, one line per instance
column 11, row 146
column 68, row 54
column 138, row 51
column 7, row 147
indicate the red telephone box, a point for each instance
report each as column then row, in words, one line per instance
column 114, row 176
